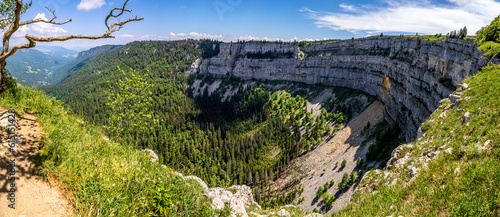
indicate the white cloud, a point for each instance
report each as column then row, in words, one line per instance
column 125, row 38
column 21, row 32
column 87, row 5
column 252, row 38
column 45, row 29
column 348, row 7
column 39, row 29
column 194, row 35
column 425, row 17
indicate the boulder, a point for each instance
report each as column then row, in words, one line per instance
column 202, row 183
column 283, row 212
column 244, row 193
column 238, row 202
column 220, row 197
column 152, row 155
column 413, row 172
column 455, row 98
column 442, row 115
column 466, row 116
column 465, row 86
column 314, row 215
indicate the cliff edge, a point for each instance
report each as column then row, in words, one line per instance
column 409, row 74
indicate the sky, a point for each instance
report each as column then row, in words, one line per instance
column 232, row 20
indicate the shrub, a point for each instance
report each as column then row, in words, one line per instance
column 490, row 32
column 359, row 162
column 319, row 192
column 328, row 200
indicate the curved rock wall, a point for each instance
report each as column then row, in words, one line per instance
column 420, row 73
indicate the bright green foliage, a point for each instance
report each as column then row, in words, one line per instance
column 490, row 32
column 489, row 38
column 359, row 162
column 319, row 192
column 344, row 162
column 328, row 200
column 347, row 180
column 326, row 186
column 342, row 184
column 461, row 183
column 7, row 11
column 492, row 49
column 353, row 177
column 130, row 105
column 103, row 178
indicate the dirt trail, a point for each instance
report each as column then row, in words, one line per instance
column 32, row 196
column 344, row 145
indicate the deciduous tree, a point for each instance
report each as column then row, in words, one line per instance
column 10, row 14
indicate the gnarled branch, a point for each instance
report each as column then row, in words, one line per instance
column 122, row 9
column 12, row 28
column 51, row 21
column 33, row 39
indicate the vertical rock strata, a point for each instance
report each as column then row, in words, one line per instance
column 420, row 73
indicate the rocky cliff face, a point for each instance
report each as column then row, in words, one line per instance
column 409, row 75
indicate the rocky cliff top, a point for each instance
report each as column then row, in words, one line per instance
column 419, row 73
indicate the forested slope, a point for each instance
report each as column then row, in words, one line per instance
column 83, row 58
column 221, row 142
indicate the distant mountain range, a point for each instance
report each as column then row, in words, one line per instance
column 49, row 65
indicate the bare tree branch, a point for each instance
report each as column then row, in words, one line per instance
column 115, row 26
column 51, row 21
column 117, row 15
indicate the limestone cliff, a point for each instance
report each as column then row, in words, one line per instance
column 410, row 75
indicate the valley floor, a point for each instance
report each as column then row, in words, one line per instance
column 33, row 197
column 323, row 164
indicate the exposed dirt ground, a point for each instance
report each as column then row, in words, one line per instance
column 33, row 197
column 346, row 144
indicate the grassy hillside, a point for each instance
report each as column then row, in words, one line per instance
column 103, row 178
column 462, row 179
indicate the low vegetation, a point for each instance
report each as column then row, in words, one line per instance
column 101, row 177
column 462, row 182
column 348, row 180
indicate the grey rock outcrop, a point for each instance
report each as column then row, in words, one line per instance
column 202, row 183
column 152, row 155
column 238, row 202
column 410, row 75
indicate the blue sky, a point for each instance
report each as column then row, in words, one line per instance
column 231, row 20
